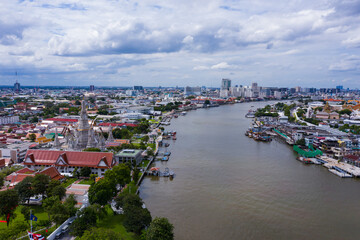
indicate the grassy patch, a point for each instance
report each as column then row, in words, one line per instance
column 38, row 211
column 114, row 222
column 152, row 145
column 86, row 181
column 68, row 182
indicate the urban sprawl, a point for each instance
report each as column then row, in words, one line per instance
column 72, row 158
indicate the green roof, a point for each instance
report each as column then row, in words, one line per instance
column 52, row 135
column 128, row 153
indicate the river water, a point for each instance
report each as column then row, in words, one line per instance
column 228, row 186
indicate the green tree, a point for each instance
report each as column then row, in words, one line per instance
column 150, row 152
column 100, row 233
column 345, row 111
column 85, row 171
column 128, row 199
column 40, row 183
column 99, row 210
column 59, row 192
column 70, row 204
column 136, row 174
column 92, row 150
column 145, row 138
column 300, row 142
column 25, row 211
column 1, row 180
column 24, row 189
column 86, row 220
column 76, row 172
column 136, row 218
column 35, row 119
column 93, row 177
column 52, row 184
column 58, row 212
column 14, row 231
column 9, row 200
column 101, row 192
column 160, row 229
column 119, row 174
column 32, row 137
column 48, row 203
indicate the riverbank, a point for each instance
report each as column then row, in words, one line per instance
column 231, row 187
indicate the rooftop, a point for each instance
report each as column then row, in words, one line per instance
column 128, row 153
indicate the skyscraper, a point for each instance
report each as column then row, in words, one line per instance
column 225, row 84
column 92, row 88
column 17, row 87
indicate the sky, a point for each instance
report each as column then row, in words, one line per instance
column 275, row 43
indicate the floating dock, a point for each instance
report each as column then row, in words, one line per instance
column 341, row 166
column 340, row 174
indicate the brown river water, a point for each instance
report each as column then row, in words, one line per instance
column 228, row 186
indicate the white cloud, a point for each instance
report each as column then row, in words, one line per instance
column 222, row 65
column 201, row 68
column 69, row 39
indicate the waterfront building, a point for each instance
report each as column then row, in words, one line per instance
column 236, row 91
column 129, row 155
column 277, row 94
column 254, row 90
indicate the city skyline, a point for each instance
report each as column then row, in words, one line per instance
column 148, row 43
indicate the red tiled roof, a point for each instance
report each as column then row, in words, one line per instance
column 52, row 172
column 77, row 159
column 25, row 171
column 62, row 119
column 2, row 163
column 332, row 100
column 21, row 174
column 16, row 178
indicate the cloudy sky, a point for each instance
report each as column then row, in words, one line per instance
column 177, row 43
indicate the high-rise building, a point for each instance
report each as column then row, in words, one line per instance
column 192, row 91
column 225, row 88
column 138, row 88
column 225, row 84
column 17, row 87
column 92, row 88
column 340, row 87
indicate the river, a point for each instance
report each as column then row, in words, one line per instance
column 227, row 186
